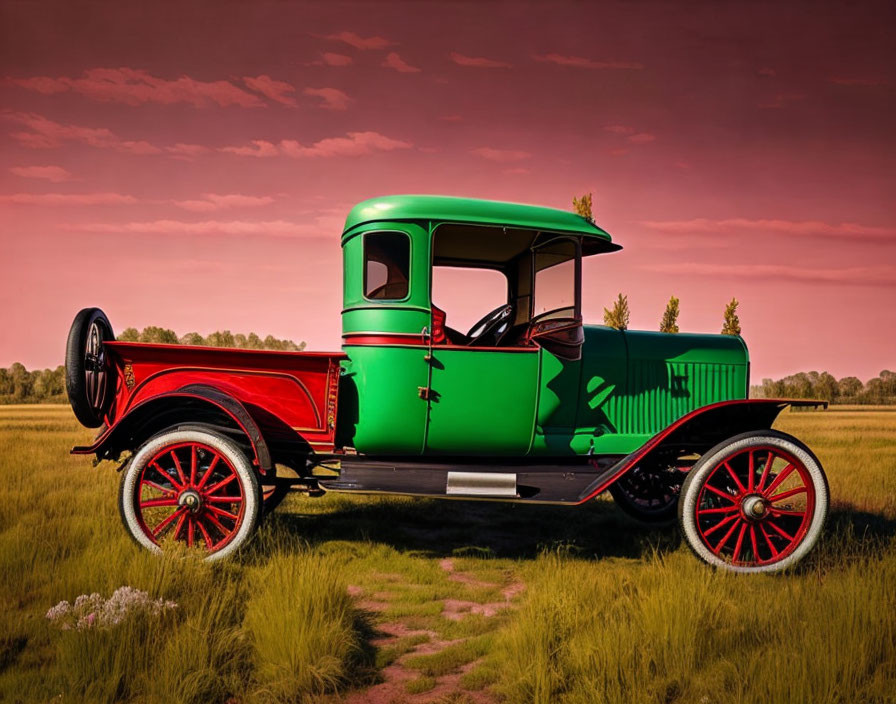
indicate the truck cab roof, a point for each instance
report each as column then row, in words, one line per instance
column 439, row 210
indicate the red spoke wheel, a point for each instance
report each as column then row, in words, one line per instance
column 192, row 486
column 649, row 493
column 754, row 503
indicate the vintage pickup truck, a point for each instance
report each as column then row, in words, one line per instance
column 528, row 405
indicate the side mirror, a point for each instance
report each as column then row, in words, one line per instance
column 561, row 337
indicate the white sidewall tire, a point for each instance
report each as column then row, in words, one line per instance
column 226, row 447
column 693, row 483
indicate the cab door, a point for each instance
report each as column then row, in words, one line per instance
column 385, row 310
column 482, row 400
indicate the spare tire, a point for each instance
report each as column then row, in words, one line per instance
column 88, row 373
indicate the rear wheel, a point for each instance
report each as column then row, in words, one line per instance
column 193, row 486
column 754, row 503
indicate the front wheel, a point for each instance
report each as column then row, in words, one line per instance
column 756, row 502
column 193, row 486
column 650, row 493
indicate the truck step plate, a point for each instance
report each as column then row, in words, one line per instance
column 481, row 484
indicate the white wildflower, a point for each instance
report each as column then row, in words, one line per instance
column 92, row 611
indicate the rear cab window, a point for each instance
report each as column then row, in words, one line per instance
column 387, row 266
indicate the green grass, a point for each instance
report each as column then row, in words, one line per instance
column 420, row 684
column 451, row 658
column 611, row 612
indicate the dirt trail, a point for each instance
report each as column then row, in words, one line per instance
column 397, row 675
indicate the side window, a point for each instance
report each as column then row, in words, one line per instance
column 466, row 294
column 387, row 265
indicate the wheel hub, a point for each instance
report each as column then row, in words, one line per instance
column 755, row 507
column 191, row 499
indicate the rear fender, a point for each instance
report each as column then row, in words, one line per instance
column 189, row 404
column 699, row 430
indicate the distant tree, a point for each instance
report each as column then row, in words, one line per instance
column 827, row 387
column 669, row 323
column 731, row 326
column 888, row 381
column 129, row 335
column 849, row 387
column 220, row 338
column 619, row 316
column 159, row 335
column 874, row 391
column 582, row 206
column 22, row 383
column 192, row 338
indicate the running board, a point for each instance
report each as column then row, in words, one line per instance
column 562, row 483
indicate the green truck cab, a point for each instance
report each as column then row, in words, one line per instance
column 528, row 405
column 529, row 379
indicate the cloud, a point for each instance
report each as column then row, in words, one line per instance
column 214, row 201
column 800, row 228
column 477, row 61
column 631, row 134
column 257, row 147
column 187, row 151
column 867, row 81
column 782, row 99
column 766, row 72
column 135, row 87
column 581, row 62
column 517, row 171
column 43, row 133
column 394, row 61
column 333, row 98
column 68, row 199
column 500, row 155
column 353, row 144
column 278, row 228
column 275, row 90
column 360, row 42
column 56, row 174
column 328, row 58
column 849, row 276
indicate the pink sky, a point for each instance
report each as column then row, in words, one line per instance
column 190, row 164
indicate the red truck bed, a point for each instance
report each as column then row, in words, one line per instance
column 285, row 392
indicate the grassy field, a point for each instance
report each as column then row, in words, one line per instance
column 396, row 600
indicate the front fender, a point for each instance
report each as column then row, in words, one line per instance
column 700, row 430
column 165, row 409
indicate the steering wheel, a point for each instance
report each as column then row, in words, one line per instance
column 492, row 328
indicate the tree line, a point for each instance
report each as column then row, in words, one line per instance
column 19, row 385
column 821, row 385
column 219, row 338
